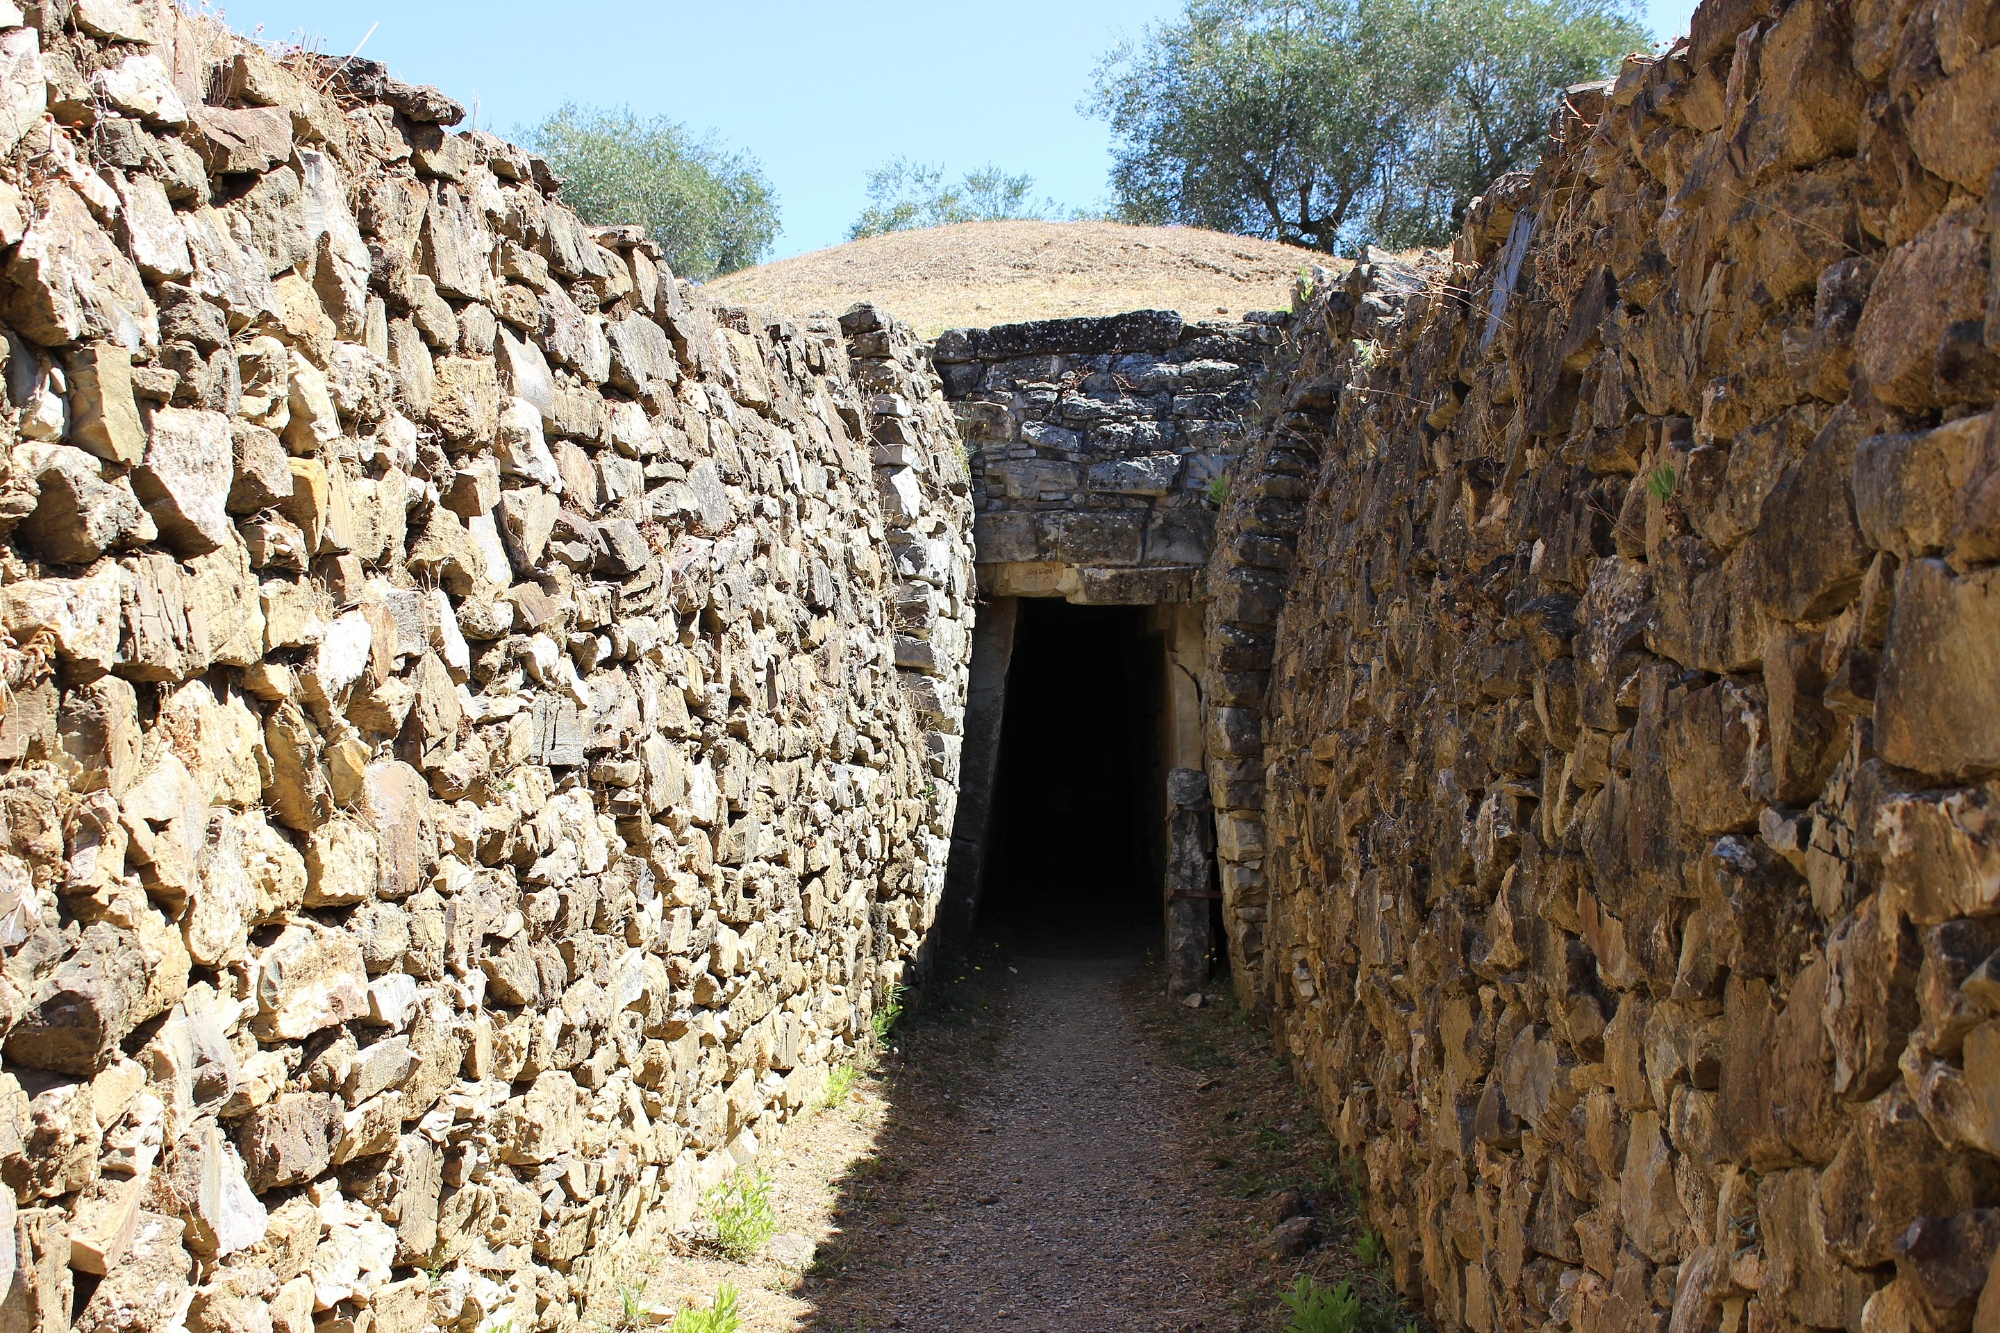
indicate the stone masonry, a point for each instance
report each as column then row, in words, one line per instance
column 1094, row 444
column 481, row 725
column 1634, row 700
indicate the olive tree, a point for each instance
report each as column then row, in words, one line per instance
column 905, row 195
column 1327, row 122
column 710, row 208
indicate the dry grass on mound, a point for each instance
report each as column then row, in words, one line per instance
column 979, row 274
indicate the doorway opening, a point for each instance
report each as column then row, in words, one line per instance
column 1075, row 857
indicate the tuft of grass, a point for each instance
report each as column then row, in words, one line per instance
column 1371, row 1249
column 633, row 1301
column 719, row 1317
column 740, row 1209
column 839, row 1087
column 885, row 1018
column 1662, row 481
column 1218, row 491
column 1366, row 354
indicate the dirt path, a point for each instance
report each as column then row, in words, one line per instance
column 1052, row 1146
column 1061, row 1209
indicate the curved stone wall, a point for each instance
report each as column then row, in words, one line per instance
column 480, row 722
column 1631, row 717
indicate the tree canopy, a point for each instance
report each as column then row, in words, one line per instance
column 1325, row 123
column 905, row 195
column 709, row 207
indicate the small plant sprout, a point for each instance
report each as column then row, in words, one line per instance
column 1308, row 284
column 633, row 1301
column 1217, row 491
column 719, row 1317
column 1661, row 481
column 885, row 1018
column 1371, row 1249
column 1366, row 354
column 740, row 1209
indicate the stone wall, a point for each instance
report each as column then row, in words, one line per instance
column 1635, row 700
column 1099, row 449
column 480, row 724
column 1094, row 443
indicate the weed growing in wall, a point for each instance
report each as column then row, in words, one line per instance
column 1308, row 284
column 885, row 1018
column 1218, row 491
column 1662, row 482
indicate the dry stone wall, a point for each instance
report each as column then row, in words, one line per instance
column 1095, row 444
column 1634, row 704
column 480, row 723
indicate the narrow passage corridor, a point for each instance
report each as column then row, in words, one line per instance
column 1057, row 1197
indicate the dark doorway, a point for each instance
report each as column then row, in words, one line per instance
column 1076, row 854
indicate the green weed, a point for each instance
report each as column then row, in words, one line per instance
column 1218, row 491
column 633, row 1299
column 1335, row 1309
column 1371, row 1249
column 885, row 1018
column 740, row 1208
column 839, row 1087
column 1308, row 284
column 1366, row 354
column 1661, row 482
column 719, row 1317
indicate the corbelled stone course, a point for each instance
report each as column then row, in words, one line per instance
column 482, row 723
column 1096, row 447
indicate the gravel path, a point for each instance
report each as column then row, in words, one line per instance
column 1054, row 1198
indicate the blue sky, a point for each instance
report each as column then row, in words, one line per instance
column 819, row 92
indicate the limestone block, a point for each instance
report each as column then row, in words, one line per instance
column 1149, row 474
column 465, row 404
column 520, row 448
column 525, row 371
column 96, row 997
column 343, row 865
column 140, row 86
column 150, row 1289
column 104, row 415
column 23, row 85
column 240, row 141
column 290, row 1140
column 81, row 615
column 541, row 1124
column 1935, row 704
column 185, row 480
column 99, row 729
column 309, row 979
column 1926, row 284
column 312, row 422
column 78, row 516
column 640, row 355
column 1889, row 1172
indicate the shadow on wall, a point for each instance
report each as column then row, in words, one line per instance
column 1076, row 843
